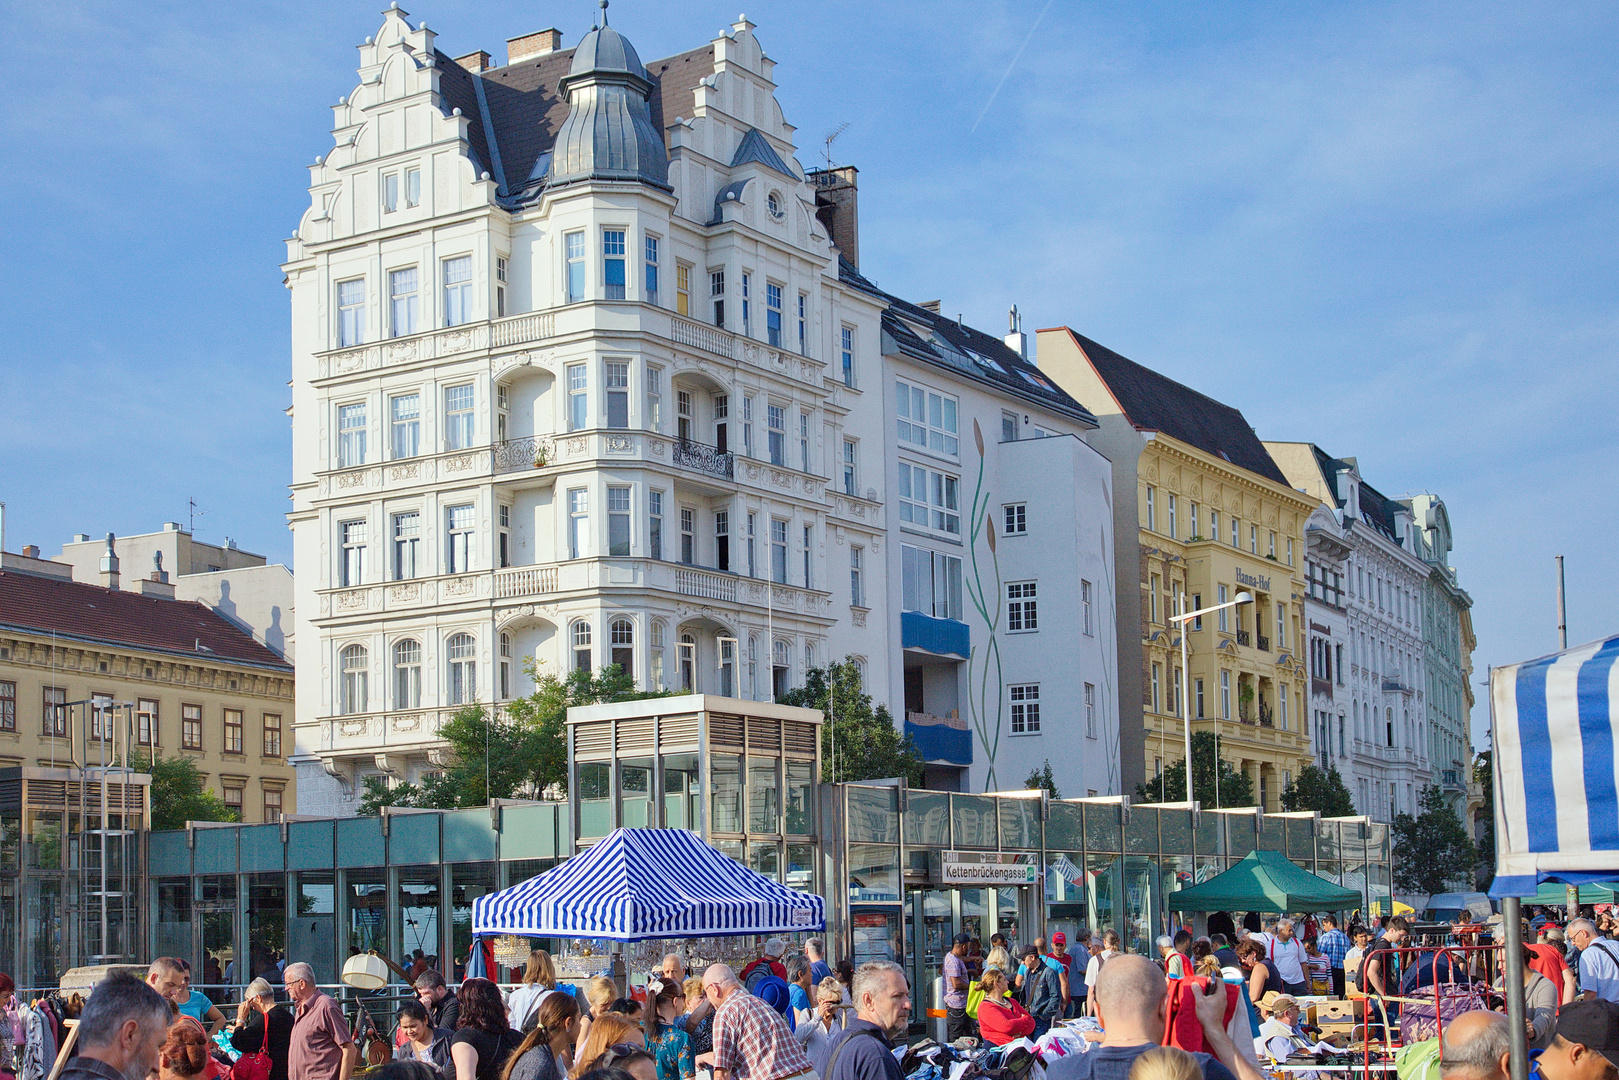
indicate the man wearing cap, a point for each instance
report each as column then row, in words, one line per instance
column 1586, row 1046
column 1065, row 962
column 957, row 1023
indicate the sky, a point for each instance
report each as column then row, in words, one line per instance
column 1387, row 228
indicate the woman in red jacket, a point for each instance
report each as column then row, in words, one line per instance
column 1000, row 1018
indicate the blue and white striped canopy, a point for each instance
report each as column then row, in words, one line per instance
column 648, row 883
column 1556, row 741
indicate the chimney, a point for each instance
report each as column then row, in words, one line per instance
column 1015, row 339
column 109, row 566
column 837, row 205
column 153, row 587
column 474, row 61
column 930, row 305
column 531, row 45
column 30, row 551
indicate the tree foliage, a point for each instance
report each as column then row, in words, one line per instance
column 1234, row 788
column 1042, row 780
column 178, row 794
column 1317, row 789
column 1432, row 851
column 517, row 752
column 1484, row 777
column 858, row 742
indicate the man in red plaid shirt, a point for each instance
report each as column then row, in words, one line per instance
column 751, row 1040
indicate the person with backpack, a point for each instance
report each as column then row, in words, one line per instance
column 1110, row 947
column 769, row 963
column 1599, row 961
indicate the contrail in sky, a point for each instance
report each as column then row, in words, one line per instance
column 1026, row 39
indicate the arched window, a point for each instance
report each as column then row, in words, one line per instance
column 356, row 664
column 505, row 666
column 407, row 674
column 809, row 657
column 463, row 673
column 859, row 672
column 781, row 666
column 623, row 644
column 688, row 663
column 581, row 645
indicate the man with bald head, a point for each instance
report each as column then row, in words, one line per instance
column 1131, row 1000
column 751, row 1040
column 1477, row 1046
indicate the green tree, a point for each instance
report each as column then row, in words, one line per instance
column 1233, row 789
column 858, row 742
column 1042, row 780
column 178, row 794
column 1484, row 777
column 1317, row 789
column 1432, row 852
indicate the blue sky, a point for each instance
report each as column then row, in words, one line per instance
column 1386, row 228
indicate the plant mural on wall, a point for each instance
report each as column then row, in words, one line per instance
column 984, row 673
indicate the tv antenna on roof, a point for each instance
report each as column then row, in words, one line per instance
column 831, row 137
column 196, row 511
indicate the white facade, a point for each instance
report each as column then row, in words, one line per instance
column 604, row 422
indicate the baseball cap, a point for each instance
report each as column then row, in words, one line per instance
column 1593, row 1024
column 963, row 939
column 1059, row 938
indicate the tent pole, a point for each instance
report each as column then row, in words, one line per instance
column 1517, row 1016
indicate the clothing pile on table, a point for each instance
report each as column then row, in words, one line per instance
column 43, row 1031
column 928, row 1060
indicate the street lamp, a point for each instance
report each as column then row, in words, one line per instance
column 1243, row 597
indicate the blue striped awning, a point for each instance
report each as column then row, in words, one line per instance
column 1555, row 736
column 648, row 883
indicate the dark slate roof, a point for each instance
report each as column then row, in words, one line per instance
column 526, row 108
column 1376, row 509
column 1154, row 402
column 755, row 147
column 964, row 351
column 81, row 612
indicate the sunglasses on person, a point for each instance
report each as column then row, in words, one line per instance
column 619, row 1053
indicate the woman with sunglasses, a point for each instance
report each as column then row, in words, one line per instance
column 666, row 1036
column 547, row 1052
column 608, row 1031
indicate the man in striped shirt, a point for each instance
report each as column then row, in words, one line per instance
column 751, row 1040
column 1334, row 945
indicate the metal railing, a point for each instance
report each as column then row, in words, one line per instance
column 1264, row 643
column 1244, row 638
column 704, row 459
column 534, row 452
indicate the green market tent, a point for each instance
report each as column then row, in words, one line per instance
column 1265, row 881
column 1555, row 893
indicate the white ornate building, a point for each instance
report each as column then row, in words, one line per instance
column 1364, row 612
column 584, row 371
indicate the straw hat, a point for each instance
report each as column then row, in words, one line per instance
column 1274, row 1001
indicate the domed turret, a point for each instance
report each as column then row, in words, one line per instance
column 608, row 134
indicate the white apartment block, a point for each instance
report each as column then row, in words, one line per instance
column 1364, row 612
column 583, row 372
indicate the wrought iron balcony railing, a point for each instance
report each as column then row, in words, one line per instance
column 704, row 459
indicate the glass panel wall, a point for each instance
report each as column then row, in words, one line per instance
column 725, row 808
column 418, row 924
column 468, row 881
column 975, row 820
column 266, row 930
column 873, row 872
column 595, row 799
column 217, row 906
column 313, row 934
column 764, row 795
column 681, row 808
column 800, row 798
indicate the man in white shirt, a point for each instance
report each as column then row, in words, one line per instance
column 1599, row 961
column 1287, row 953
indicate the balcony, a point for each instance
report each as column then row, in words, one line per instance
column 534, row 452
column 1264, row 643
column 707, row 584
column 525, row 581
column 438, row 343
column 942, row 637
column 702, row 336
column 940, row 739
column 709, row 460
column 1321, row 688
column 1244, row 638
column 1267, row 717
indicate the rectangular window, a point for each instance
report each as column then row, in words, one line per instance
column 753, row 536
column 350, row 313
column 613, row 263
column 1225, row 612
column 53, row 717
column 651, row 258
column 1009, row 427
column 233, row 731
column 500, row 286
column 460, row 418
column 503, row 556
column 618, row 394
column 716, row 293
column 803, row 441
column 574, row 247
column 809, row 547
column 929, row 499
column 722, row 415
column 350, row 435
column 390, row 192
column 1021, row 616
column 352, row 569
column 683, row 289
column 926, row 419
column 1169, row 506
column 413, row 187
column 405, row 415
column 1016, row 518
column 8, row 706
column 1197, row 602
column 1194, row 520
column 272, row 805
column 272, row 735
column 1197, row 698
column 1290, row 551
column 778, row 551
column 1281, row 706
column 407, row 534
column 1085, row 608
column 688, row 535
column 618, row 521
column 1281, row 625
column 191, row 727
column 747, row 426
column 458, row 290
column 1225, row 695
column 1025, row 708
column 857, row 592
column 722, row 540
column 458, row 552
column 1253, row 539
column 772, row 314
column 777, row 418
column 403, row 303
column 1272, row 546
column 931, row 583
column 578, row 523
column 846, row 354
column 1152, row 517
column 578, row 399
column 1236, row 533
column 1157, row 674
column 1214, row 525
column 146, row 726
column 683, row 416
column 747, row 301
column 1090, row 710
column 1152, row 598
column 851, row 484
column 803, row 325
column 653, row 420
column 654, row 511
column 233, row 799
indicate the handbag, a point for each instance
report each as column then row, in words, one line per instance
column 256, row 1065
column 975, row 998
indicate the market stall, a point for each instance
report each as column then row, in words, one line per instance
column 1265, row 881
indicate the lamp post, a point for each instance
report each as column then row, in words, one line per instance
column 1183, row 618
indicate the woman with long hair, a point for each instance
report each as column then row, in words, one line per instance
column 607, row 1031
column 546, row 1053
column 483, row 1040
column 423, row 1042
column 539, row 980
column 666, row 1036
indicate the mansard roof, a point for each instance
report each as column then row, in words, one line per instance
column 1376, row 509
column 964, row 351
column 1155, row 402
